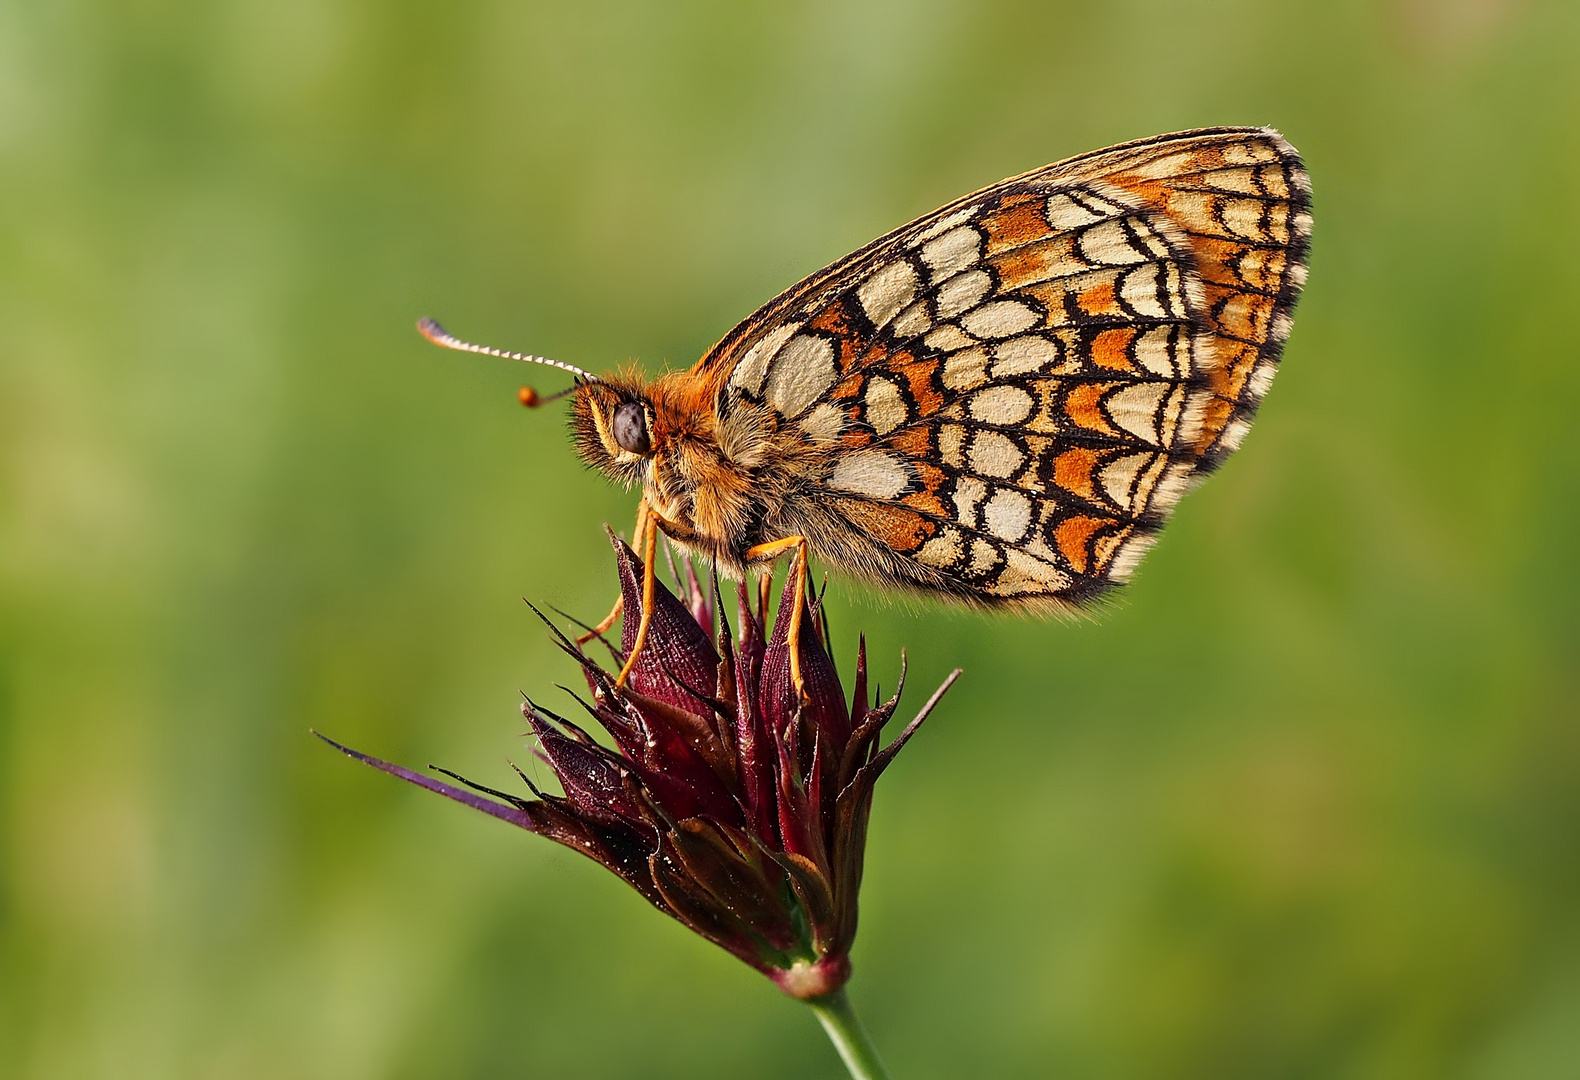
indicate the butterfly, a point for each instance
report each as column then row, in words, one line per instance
column 999, row 403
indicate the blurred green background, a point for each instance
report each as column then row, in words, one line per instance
column 1305, row 804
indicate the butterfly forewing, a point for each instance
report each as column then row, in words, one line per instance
column 1017, row 388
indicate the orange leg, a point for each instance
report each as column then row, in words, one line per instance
column 798, row 572
column 619, row 603
column 605, row 623
column 647, row 525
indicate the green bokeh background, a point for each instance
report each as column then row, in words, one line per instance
column 1305, row 804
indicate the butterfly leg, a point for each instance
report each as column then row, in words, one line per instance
column 603, row 625
column 647, row 536
column 649, row 523
column 619, row 603
column 798, row 576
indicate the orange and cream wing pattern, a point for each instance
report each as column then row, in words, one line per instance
column 1018, row 388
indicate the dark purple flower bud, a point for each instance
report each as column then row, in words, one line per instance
column 732, row 800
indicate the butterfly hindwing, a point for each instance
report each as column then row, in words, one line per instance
column 1016, row 389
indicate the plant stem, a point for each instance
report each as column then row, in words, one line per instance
column 848, row 1036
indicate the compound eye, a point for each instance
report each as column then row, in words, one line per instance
column 629, row 427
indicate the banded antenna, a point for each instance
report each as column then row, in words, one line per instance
column 529, row 397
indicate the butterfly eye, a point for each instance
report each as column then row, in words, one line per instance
column 629, row 427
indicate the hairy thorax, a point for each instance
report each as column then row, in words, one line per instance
column 725, row 480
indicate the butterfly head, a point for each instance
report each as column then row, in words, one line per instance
column 615, row 430
column 659, row 435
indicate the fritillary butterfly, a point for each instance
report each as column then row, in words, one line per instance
column 999, row 403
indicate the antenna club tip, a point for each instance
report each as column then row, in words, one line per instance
column 431, row 330
column 529, row 397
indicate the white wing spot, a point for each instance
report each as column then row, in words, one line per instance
column 873, row 473
column 961, row 292
column 948, row 338
column 748, row 374
column 1119, row 477
column 802, row 372
column 984, row 556
column 995, row 455
column 1007, row 515
column 886, row 293
column 943, row 225
column 1156, row 246
column 886, row 409
column 1108, row 244
column 1001, row 405
column 942, row 551
column 999, row 319
column 1027, row 574
column 913, row 321
column 952, row 252
column 824, row 423
column 1241, row 180
column 1171, row 414
column 1147, row 484
column 1023, row 356
column 1155, row 351
column 1135, row 408
column 969, row 491
column 1242, row 217
column 1065, row 214
column 965, row 369
column 1191, row 418
column 950, row 439
column 1139, row 289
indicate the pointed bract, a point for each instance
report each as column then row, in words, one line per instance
column 731, row 801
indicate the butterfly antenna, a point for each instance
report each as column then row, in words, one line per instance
column 532, row 399
column 529, row 397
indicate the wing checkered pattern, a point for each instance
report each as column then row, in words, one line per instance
column 1018, row 388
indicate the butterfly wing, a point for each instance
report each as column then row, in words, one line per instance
column 1016, row 389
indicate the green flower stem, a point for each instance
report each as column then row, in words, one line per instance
column 848, row 1036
